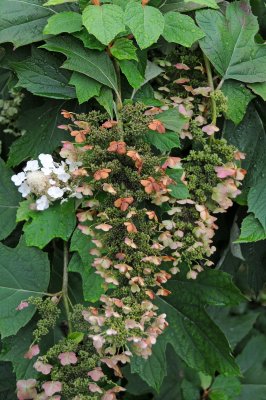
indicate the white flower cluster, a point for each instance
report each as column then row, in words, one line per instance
column 47, row 180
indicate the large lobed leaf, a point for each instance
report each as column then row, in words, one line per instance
column 22, row 21
column 230, row 42
column 146, row 23
column 94, row 64
column 9, row 200
column 238, row 98
column 42, row 134
column 191, row 332
column 58, row 221
column 104, row 22
column 25, row 272
column 41, row 75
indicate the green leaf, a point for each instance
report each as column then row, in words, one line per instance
column 131, row 70
column 16, row 346
column 253, row 354
column 181, row 29
column 92, row 284
column 251, row 230
column 82, row 244
column 208, row 3
column 205, row 380
column 124, row 49
column 41, row 75
column 229, row 42
column 7, row 382
column 238, row 98
column 256, row 201
column 56, row 2
column 152, row 372
column 92, row 63
column 182, row 5
column 163, row 141
column 14, row 349
column 58, row 221
column 250, row 138
column 225, row 388
column 9, row 201
column 172, row 119
column 45, row 139
column 194, row 337
column 255, row 256
column 178, row 190
column 104, row 22
column 89, row 41
column 22, row 21
column 82, row 263
column 252, row 391
column 67, row 21
column 86, row 87
column 106, row 100
column 146, row 23
column 234, row 326
column 259, row 89
column 24, row 272
column 212, row 287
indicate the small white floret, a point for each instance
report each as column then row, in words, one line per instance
column 42, row 203
column 24, row 189
column 19, row 178
column 55, row 192
column 32, row 165
column 46, row 161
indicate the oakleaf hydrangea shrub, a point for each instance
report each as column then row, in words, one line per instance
column 142, row 233
column 136, row 157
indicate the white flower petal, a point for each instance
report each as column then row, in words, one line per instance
column 42, row 203
column 46, row 160
column 19, row 178
column 73, row 165
column 46, row 171
column 64, row 177
column 55, row 192
column 32, row 165
column 24, row 189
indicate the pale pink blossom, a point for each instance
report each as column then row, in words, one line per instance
column 94, row 388
column 52, row 387
column 67, row 358
column 26, row 389
column 96, row 374
column 32, row 352
column 210, row 129
column 44, row 368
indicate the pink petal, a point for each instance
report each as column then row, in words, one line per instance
column 210, row 129
column 51, row 387
column 45, row 369
column 224, row 172
column 93, row 387
column 182, row 66
column 96, row 374
column 32, row 352
column 23, row 304
column 104, row 227
column 26, row 389
column 68, row 358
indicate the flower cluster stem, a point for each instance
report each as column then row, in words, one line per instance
column 65, row 286
column 210, row 82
